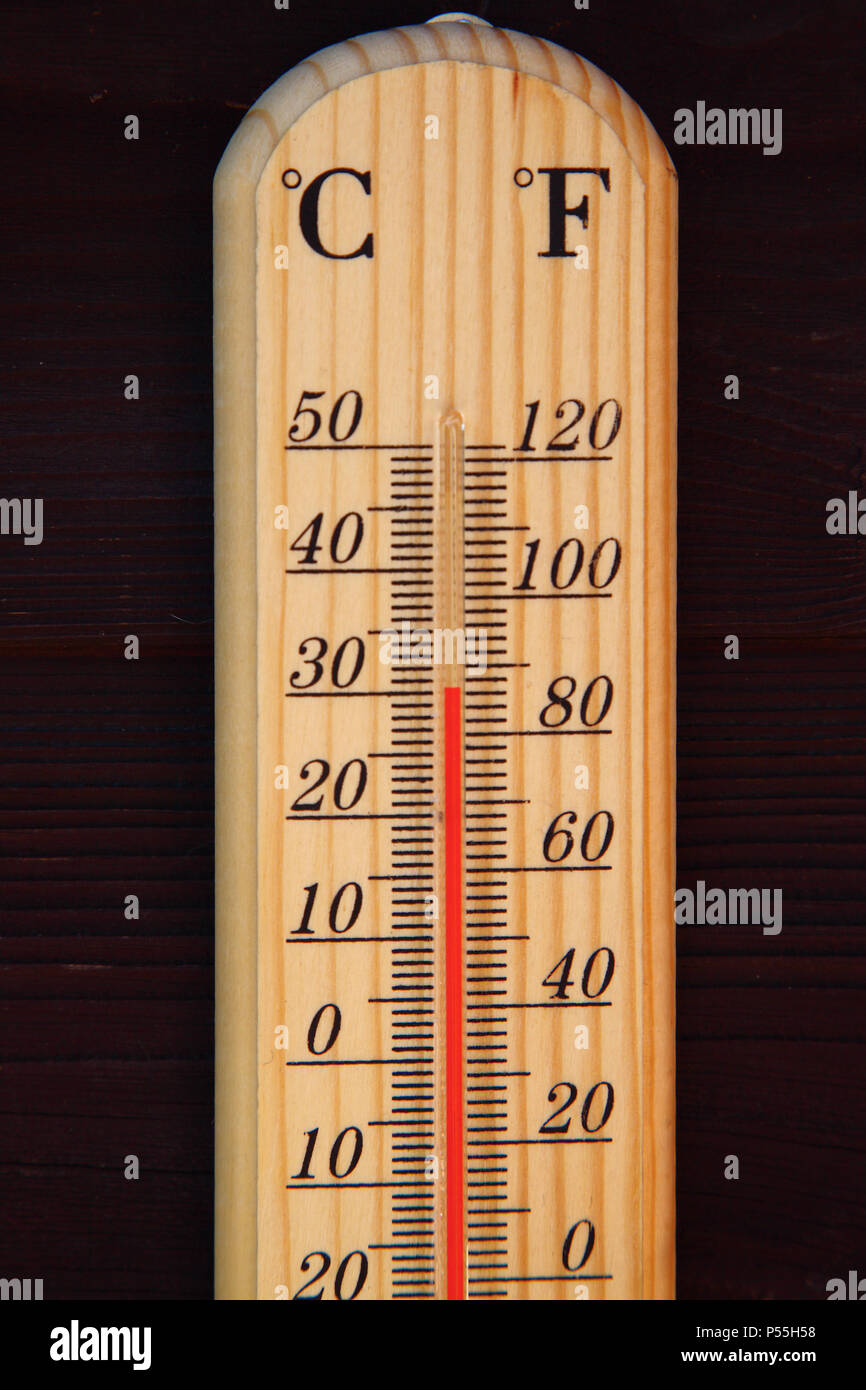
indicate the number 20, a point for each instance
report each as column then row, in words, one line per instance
column 341, row 1293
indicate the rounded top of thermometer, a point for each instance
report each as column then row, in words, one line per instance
column 457, row 17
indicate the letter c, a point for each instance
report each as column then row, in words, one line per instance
column 309, row 214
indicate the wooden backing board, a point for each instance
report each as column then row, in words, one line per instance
column 470, row 300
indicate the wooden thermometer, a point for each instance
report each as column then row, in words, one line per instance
column 445, row 504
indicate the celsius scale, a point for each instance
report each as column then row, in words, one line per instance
column 445, row 294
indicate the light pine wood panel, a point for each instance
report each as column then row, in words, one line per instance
column 455, row 289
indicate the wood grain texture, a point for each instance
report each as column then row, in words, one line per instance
column 106, row 270
column 457, row 288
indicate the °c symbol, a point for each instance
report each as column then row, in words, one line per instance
column 291, row 178
column 523, row 177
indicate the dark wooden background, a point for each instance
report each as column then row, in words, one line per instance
column 106, row 1025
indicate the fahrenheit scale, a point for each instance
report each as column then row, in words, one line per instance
column 445, row 386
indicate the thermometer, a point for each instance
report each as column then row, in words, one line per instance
column 445, row 275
